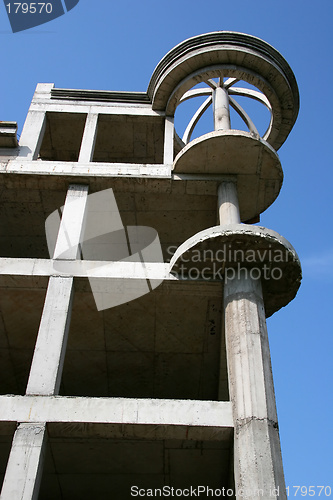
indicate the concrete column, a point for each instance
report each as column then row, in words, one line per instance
column 258, row 461
column 258, row 466
column 32, row 135
column 228, row 207
column 221, row 109
column 49, row 354
column 169, row 132
column 24, row 469
column 34, row 127
column 89, row 139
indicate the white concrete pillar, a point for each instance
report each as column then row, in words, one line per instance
column 258, row 466
column 89, row 138
column 169, row 133
column 25, row 465
column 257, row 454
column 221, row 109
column 228, row 207
column 49, row 354
column 35, row 124
column 32, row 135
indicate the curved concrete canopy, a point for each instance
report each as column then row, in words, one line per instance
column 253, row 162
column 242, row 55
column 241, row 246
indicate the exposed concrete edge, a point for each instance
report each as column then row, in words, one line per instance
column 219, row 135
column 116, row 411
column 224, row 47
column 230, row 38
column 102, row 108
column 84, row 269
column 280, row 286
column 86, row 169
column 100, row 95
column 229, row 230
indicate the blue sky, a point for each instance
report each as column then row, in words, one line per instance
column 116, row 46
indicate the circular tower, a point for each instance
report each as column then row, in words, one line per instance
column 261, row 270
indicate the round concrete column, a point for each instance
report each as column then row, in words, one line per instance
column 221, row 109
column 228, row 207
column 257, row 454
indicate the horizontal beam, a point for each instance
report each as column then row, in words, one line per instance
column 57, row 168
column 57, row 409
column 84, row 269
column 111, row 108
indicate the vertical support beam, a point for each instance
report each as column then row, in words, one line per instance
column 258, row 466
column 228, row 207
column 221, row 109
column 49, row 354
column 258, row 460
column 32, row 135
column 25, row 465
column 34, row 127
column 72, row 223
column 169, row 132
column 48, row 360
column 89, row 139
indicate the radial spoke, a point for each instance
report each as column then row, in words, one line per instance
column 194, row 93
column 230, row 81
column 196, row 117
column 253, row 94
column 245, row 117
column 211, row 83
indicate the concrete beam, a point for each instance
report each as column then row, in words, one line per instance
column 216, row 414
column 169, row 133
column 112, row 108
column 84, row 268
column 72, row 223
column 89, row 139
column 24, row 469
column 32, row 135
column 49, row 354
column 57, row 168
column 47, row 364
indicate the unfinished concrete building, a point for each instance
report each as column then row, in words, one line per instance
column 136, row 363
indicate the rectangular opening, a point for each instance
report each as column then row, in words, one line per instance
column 63, row 136
column 94, row 461
column 165, row 344
column 7, row 430
column 129, row 139
column 25, row 204
column 21, row 306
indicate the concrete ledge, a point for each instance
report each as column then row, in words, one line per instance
column 253, row 162
column 217, row 414
column 241, row 246
column 84, row 269
column 90, row 169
